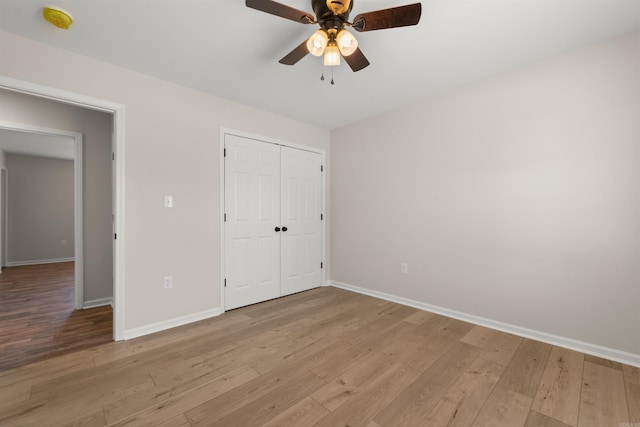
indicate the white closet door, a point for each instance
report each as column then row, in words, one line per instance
column 301, row 209
column 252, row 207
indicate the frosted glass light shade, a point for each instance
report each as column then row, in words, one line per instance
column 331, row 56
column 346, row 42
column 317, row 43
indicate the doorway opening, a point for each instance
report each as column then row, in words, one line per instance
column 117, row 112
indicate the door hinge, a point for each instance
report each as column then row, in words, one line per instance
column 225, row 217
column 321, row 217
column 115, row 236
column 113, row 156
column 321, row 265
column 321, row 168
column 224, row 153
column 225, row 283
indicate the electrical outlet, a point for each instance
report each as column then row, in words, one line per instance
column 63, row 242
column 168, row 201
column 168, row 282
column 404, row 268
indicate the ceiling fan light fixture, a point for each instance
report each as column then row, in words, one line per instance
column 317, row 43
column 331, row 56
column 346, row 42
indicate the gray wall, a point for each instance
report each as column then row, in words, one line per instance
column 97, row 204
column 516, row 200
column 40, row 209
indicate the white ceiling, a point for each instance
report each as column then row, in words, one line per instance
column 223, row 48
column 37, row 144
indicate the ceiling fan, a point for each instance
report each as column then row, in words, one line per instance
column 332, row 39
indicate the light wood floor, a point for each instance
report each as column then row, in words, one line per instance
column 37, row 316
column 326, row 357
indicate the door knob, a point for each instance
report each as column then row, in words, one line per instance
column 277, row 229
column 284, row 228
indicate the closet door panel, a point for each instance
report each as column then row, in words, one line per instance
column 252, row 207
column 301, row 209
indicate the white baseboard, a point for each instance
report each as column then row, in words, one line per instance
column 98, row 303
column 581, row 346
column 38, row 261
column 171, row 323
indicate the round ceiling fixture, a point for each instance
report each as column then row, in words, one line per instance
column 58, row 17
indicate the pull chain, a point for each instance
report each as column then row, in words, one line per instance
column 322, row 75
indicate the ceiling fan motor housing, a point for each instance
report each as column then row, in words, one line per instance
column 324, row 12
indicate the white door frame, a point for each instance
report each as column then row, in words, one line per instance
column 118, row 144
column 228, row 131
column 4, row 199
column 78, row 218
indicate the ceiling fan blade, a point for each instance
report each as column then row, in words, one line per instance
column 296, row 54
column 281, row 10
column 357, row 61
column 400, row 16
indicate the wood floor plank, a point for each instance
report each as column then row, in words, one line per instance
column 48, row 369
column 303, row 414
column 439, row 334
column 336, row 326
column 14, row 395
column 419, row 317
column 498, row 346
column 633, row 402
column 267, row 406
column 631, row 376
column 177, row 421
column 94, row 419
column 504, row 408
column 558, row 394
column 463, row 401
column 279, row 306
column 415, row 403
column 351, row 379
column 525, row 369
column 603, row 401
column 219, row 407
column 361, row 410
column 379, row 320
column 235, row 399
column 178, row 405
column 199, row 369
column 74, row 402
column 536, row 419
column 374, row 346
column 213, row 329
column 603, row 362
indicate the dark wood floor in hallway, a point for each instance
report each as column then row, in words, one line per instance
column 37, row 316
